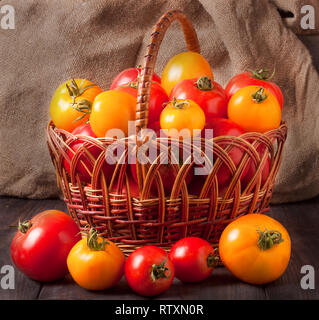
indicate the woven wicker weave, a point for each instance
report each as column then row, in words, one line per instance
column 133, row 219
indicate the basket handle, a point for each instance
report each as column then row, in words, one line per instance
column 147, row 71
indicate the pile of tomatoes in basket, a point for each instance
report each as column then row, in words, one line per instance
column 186, row 96
column 255, row 248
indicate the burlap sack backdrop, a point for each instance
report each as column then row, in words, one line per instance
column 57, row 40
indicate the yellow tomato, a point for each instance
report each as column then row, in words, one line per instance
column 255, row 109
column 186, row 65
column 95, row 263
column 255, row 248
column 112, row 110
column 182, row 114
column 71, row 103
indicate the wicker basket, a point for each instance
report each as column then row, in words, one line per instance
column 135, row 219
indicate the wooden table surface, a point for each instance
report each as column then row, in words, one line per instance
column 301, row 220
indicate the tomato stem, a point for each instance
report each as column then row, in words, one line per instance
column 24, row 226
column 93, row 241
column 75, row 91
column 204, row 84
column 213, row 259
column 158, row 271
column 259, row 96
column 268, row 238
column 262, row 74
column 180, row 104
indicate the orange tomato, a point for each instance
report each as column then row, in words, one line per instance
column 255, row 109
column 255, row 248
column 95, row 263
column 185, row 65
column 112, row 110
column 71, row 103
column 182, row 114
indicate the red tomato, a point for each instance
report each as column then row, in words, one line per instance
column 208, row 94
column 168, row 176
column 252, row 169
column 149, row 271
column 221, row 127
column 134, row 191
column 85, row 130
column 193, row 258
column 130, row 75
column 41, row 246
column 258, row 78
column 156, row 127
column 158, row 98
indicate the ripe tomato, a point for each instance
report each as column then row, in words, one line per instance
column 156, row 127
column 258, row 78
column 252, row 169
column 41, row 246
column 255, row 109
column 149, row 271
column 221, row 127
column 158, row 98
column 71, row 103
column 95, row 263
column 255, row 248
column 182, row 114
column 130, row 75
column 208, row 94
column 85, row 130
column 193, row 258
column 168, row 177
column 112, row 109
column 185, row 65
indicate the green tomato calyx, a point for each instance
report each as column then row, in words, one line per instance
column 75, row 91
column 24, row 226
column 259, row 96
column 268, row 238
column 262, row 74
column 204, row 84
column 93, row 241
column 158, row 271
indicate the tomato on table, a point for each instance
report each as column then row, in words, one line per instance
column 259, row 78
column 255, row 248
column 185, row 65
column 112, row 109
column 95, row 263
column 130, row 75
column 208, row 94
column 193, row 258
column 255, row 109
column 40, row 247
column 71, row 103
column 158, row 98
column 149, row 271
column 182, row 114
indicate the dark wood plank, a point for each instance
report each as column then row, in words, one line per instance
column 300, row 219
column 221, row 285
